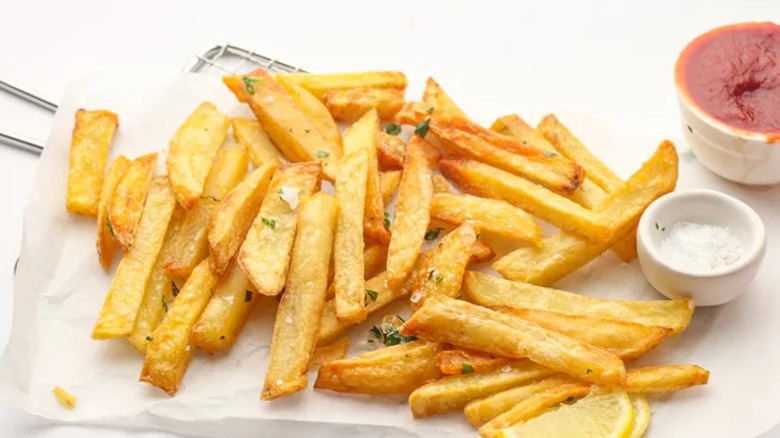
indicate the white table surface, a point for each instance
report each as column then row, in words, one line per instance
column 613, row 57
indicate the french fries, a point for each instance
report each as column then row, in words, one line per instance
column 497, row 217
column 233, row 216
column 320, row 84
column 481, row 252
column 105, row 243
column 399, row 369
column 126, row 292
column 233, row 83
column 347, row 106
column 89, row 149
column 466, row 325
column 487, row 290
column 127, row 199
column 458, row 361
column 435, row 97
column 170, row 351
column 265, row 254
column 440, row 186
column 251, row 134
column 191, row 242
column 388, row 183
column 390, row 151
column 374, row 259
column 667, row 378
column 412, row 214
column 315, row 110
column 330, row 352
column 192, row 151
column 300, row 310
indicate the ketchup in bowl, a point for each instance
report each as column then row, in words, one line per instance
column 732, row 74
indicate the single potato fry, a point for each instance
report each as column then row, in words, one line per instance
column 347, row 106
column 227, row 311
column 300, row 310
column 233, row 216
column 399, row 369
column 317, row 112
column 388, row 183
column 330, row 352
column 265, row 254
column 440, row 186
column 105, row 243
column 459, row 361
column 233, row 83
column 454, row 392
column 321, row 84
column 664, row 378
column 374, row 260
column 251, row 134
column 481, row 252
column 169, row 352
column 497, row 217
column 435, row 97
column 127, row 200
column 118, row 314
column 487, row 290
column 467, row 325
column 64, row 398
column 89, row 149
column 192, row 242
column 390, row 151
column 412, row 214
column 192, row 151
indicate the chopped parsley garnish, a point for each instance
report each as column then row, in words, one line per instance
column 433, row 233
column 247, row 296
column 174, row 289
column 467, row 368
column 422, row 128
column 148, row 339
column 430, row 110
column 479, row 235
column 438, row 280
column 165, row 305
column 589, row 371
column 307, row 130
column 550, row 154
column 570, row 400
column 271, row 223
column 280, row 192
column 430, row 274
column 388, row 335
column 690, row 129
column 371, row 294
column 387, row 221
column 323, row 154
column 393, row 129
column 109, row 226
column 249, row 83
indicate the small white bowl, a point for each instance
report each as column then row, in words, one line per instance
column 710, row 288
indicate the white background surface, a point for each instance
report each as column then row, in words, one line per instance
column 614, row 57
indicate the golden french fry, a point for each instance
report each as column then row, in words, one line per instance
column 454, row 392
column 390, row 151
column 533, row 406
column 64, row 398
column 467, row 325
column 440, row 186
column 192, row 151
column 664, row 378
column 317, row 112
column 251, row 134
column 126, row 292
column 89, row 149
column 497, row 217
column 192, row 243
column 300, row 310
column 320, row 84
column 481, row 252
column 233, row 83
column 347, row 106
column 265, row 254
column 460, row 361
column 227, row 311
column 412, row 214
column 169, row 352
column 388, row 182
column 435, row 97
column 127, row 200
column 398, row 369
column 105, row 243
column 232, row 217
column 330, row 352
column 487, row 290
column 374, row 259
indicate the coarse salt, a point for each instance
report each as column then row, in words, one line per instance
column 698, row 247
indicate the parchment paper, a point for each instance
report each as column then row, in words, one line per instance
column 60, row 287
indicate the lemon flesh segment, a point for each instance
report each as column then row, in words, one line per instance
column 598, row 415
column 641, row 415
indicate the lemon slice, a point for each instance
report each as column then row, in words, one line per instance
column 598, row 415
column 641, row 415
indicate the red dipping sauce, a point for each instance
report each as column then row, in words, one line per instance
column 732, row 73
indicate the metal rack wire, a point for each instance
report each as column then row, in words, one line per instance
column 219, row 60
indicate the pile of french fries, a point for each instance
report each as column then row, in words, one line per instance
column 203, row 243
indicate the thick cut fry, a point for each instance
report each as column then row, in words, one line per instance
column 347, row 106
column 388, row 182
column 435, row 97
column 412, row 214
column 105, row 243
column 287, row 125
column 226, row 313
column 316, row 111
column 127, row 200
column 497, row 217
column 170, row 350
column 231, row 219
column 374, row 260
column 665, row 378
column 481, row 252
column 320, row 84
column 192, row 151
column 64, row 398
column 454, row 392
column 192, row 242
column 533, row 406
column 160, row 290
column 265, row 254
column 485, row 409
column 459, row 361
column 441, row 271
column 440, row 186
column 399, row 369
column 249, row 133
column 299, row 313
column 233, row 83
column 487, row 290
column 330, row 352
column 390, row 151
column 89, row 149
column 467, row 325
column 126, row 292
column 349, row 283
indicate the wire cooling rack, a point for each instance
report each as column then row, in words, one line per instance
column 219, row 60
